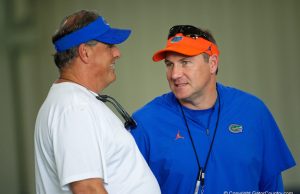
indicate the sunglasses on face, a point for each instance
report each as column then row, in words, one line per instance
column 188, row 31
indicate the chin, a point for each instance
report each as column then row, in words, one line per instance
column 180, row 95
column 113, row 80
column 180, row 92
column 113, row 76
column 110, row 80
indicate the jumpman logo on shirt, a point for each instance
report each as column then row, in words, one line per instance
column 178, row 136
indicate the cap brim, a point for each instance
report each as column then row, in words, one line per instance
column 161, row 54
column 114, row 36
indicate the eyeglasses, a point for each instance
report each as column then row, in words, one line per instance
column 188, row 31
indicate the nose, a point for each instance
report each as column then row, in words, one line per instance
column 116, row 52
column 176, row 71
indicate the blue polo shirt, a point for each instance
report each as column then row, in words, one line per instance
column 248, row 154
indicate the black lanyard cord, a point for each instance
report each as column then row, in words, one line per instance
column 201, row 172
column 129, row 122
column 191, row 138
column 215, row 132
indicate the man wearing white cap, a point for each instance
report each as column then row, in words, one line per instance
column 80, row 145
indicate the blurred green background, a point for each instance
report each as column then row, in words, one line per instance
column 258, row 39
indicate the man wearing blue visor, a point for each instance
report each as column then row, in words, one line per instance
column 80, row 144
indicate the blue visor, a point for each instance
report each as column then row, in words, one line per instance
column 98, row 30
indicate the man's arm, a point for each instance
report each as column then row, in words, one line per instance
column 88, row 186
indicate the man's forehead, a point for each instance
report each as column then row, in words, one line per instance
column 172, row 56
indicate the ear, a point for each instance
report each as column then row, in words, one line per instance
column 213, row 63
column 84, row 53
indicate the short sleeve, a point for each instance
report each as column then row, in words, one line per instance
column 77, row 147
column 276, row 154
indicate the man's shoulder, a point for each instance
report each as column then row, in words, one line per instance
column 159, row 103
column 67, row 95
column 234, row 96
